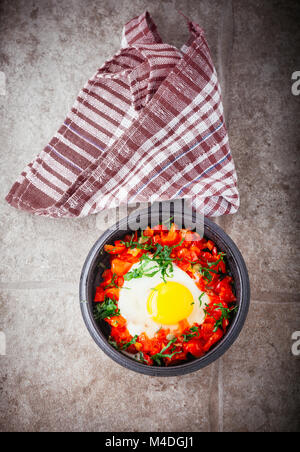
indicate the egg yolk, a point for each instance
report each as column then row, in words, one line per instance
column 169, row 302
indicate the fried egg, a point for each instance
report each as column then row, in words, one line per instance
column 149, row 303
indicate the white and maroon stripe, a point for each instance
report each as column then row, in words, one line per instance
column 148, row 125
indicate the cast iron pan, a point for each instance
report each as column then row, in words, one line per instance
column 91, row 278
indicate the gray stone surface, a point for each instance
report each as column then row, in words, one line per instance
column 264, row 135
column 261, row 377
column 53, row 376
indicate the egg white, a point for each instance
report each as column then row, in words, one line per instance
column 133, row 302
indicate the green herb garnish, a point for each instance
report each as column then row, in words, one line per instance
column 113, row 282
column 162, row 260
column 167, row 222
column 225, row 314
column 206, row 310
column 106, row 309
column 123, row 346
column 200, row 299
column 206, row 272
column 141, row 358
column 113, row 343
column 127, row 344
column 143, row 269
column 158, row 357
column 139, row 245
column 187, row 337
column 192, row 333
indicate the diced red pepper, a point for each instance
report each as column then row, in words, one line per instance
column 194, row 347
column 116, row 321
column 112, row 292
column 120, row 281
column 99, row 295
column 148, row 232
column 117, row 248
column 218, row 289
column 171, row 238
column 215, row 337
column 210, row 244
column 120, row 267
column 107, row 276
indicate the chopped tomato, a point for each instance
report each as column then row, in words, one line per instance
column 171, row 238
column 117, row 321
column 138, row 346
column 194, row 347
column 215, row 337
column 178, row 356
column 183, row 325
column 187, row 254
column 148, row 232
column 121, row 335
column 115, row 249
column 183, row 265
column 120, row 267
column 150, row 346
column 210, row 245
column 147, row 359
column 120, row 281
column 107, row 276
column 156, row 239
column 113, row 293
column 99, row 296
column 207, row 329
column 135, row 252
column 202, row 261
column 195, row 249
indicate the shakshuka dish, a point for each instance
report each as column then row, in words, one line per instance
column 168, row 295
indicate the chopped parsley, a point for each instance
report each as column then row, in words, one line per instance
column 225, row 314
column 158, row 357
column 162, row 260
column 113, row 282
column 140, row 245
column 113, row 343
column 123, row 346
column 143, row 270
column 207, row 271
column 106, row 309
column 193, row 333
column 168, row 222
column 200, row 299
column 127, row 344
column 141, row 358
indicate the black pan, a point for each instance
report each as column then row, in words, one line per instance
column 91, row 278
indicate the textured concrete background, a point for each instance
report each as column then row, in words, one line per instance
column 53, row 376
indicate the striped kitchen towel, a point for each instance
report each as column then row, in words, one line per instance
column 147, row 126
